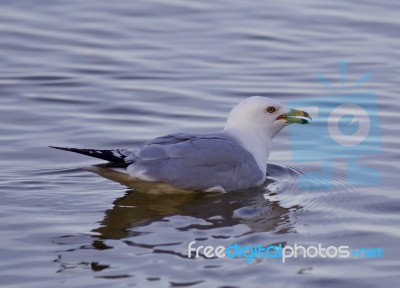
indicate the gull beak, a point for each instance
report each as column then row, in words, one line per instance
column 296, row 116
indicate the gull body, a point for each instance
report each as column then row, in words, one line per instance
column 234, row 158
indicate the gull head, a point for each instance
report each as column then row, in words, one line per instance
column 263, row 116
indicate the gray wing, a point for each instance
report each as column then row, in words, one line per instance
column 172, row 139
column 197, row 162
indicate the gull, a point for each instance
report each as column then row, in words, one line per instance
column 232, row 159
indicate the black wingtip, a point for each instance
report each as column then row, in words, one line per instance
column 115, row 156
column 63, row 148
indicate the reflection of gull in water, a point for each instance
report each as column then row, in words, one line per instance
column 135, row 220
column 232, row 159
column 136, row 210
column 251, row 207
column 132, row 217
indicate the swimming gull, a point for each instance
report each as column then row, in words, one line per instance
column 229, row 160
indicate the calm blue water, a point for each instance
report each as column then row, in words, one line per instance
column 111, row 75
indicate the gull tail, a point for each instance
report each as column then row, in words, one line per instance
column 116, row 156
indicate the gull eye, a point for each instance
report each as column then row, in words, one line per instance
column 271, row 109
